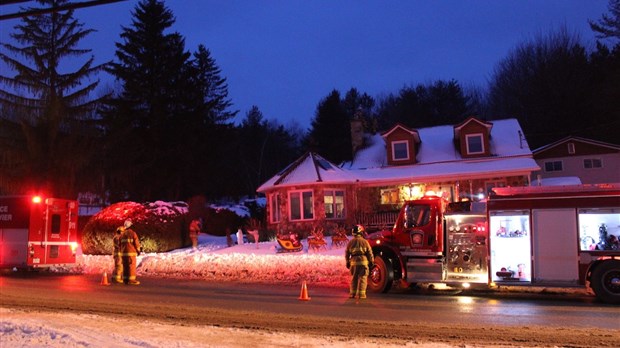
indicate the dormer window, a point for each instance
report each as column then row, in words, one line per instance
column 475, row 144
column 400, row 150
column 472, row 138
column 401, row 145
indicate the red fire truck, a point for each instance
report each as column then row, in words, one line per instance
column 37, row 232
column 562, row 236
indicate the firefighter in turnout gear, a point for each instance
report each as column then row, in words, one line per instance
column 194, row 230
column 359, row 258
column 130, row 248
column 116, row 253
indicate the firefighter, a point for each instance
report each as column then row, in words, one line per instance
column 116, row 253
column 359, row 259
column 194, row 229
column 130, row 248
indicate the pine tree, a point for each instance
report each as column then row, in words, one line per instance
column 212, row 87
column 330, row 135
column 47, row 109
column 145, row 120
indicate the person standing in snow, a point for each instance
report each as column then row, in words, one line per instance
column 359, row 259
column 130, row 248
column 194, row 229
column 116, row 253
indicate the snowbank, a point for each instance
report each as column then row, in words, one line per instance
column 249, row 262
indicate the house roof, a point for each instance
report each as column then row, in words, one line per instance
column 308, row 169
column 413, row 132
column 438, row 160
column 438, row 146
column 457, row 128
column 563, row 141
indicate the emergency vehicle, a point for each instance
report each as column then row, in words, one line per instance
column 562, row 236
column 37, row 232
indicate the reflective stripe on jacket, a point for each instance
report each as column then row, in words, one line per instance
column 359, row 252
column 130, row 244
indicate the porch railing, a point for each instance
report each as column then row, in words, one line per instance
column 377, row 221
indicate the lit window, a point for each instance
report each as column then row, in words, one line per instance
column 553, row 166
column 400, row 150
column 334, row 204
column 475, row 145
column 590, row 163
column 300, row 205
column 390, row 196
column 274, row 207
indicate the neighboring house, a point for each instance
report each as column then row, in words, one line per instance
column 460, row 162
column 593, row 162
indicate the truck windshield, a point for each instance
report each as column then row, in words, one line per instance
column 417, row 215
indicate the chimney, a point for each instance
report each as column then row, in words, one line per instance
column 357, row 131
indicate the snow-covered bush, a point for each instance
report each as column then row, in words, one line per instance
column 159, row 225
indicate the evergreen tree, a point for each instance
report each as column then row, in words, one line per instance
column 609, row 25
column 145, row 121
column 266, row 147
column 330, row 134
column 435, row 104
column 48, row 109
column 212, row 87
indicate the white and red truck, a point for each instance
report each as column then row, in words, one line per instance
column 563, row 236
column 37, row 232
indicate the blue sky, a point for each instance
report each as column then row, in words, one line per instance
column 285, row 56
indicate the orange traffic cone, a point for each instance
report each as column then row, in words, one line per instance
column 104, row 279
column 303, row 296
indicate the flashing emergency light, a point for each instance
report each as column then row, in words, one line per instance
column 36, row 199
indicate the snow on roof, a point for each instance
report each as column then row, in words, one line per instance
column 438, row 145
column 308, row 169
column 438, row 160
column 560, row 181
column 447, row 171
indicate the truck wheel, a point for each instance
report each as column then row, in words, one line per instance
column 605, row 281
column 381, row 275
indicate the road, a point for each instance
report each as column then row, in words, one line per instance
column 476, row 319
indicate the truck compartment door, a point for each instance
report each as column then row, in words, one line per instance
column 555, row 241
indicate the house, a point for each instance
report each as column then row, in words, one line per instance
column 459, row 162
column 590, row 161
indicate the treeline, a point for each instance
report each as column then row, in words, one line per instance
column 167, row 131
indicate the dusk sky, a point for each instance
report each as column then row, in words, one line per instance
column 285, row 56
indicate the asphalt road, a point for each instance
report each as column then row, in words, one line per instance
column 401, row 316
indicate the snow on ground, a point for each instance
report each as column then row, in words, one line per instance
column 213, row 261
column 248, row 262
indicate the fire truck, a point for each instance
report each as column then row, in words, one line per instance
column 563, row 236
column 37, row 232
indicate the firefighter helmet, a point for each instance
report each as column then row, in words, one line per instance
column 358, row 230
column 127, row 223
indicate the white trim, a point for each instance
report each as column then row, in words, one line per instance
column 476, row 135
column 301, row 205
column 397, row 142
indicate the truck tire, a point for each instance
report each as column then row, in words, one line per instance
column 605, row 281
column 381, row 275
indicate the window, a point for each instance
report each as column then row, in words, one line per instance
column 300, row 205
column 55, row 224
column 571, row 148
column 400, row 150
column 598, row 229
column 475, row 145
column 553, row 166
column 334, row 204
column 274, row 207
column 590, row 163
column 390, row 196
